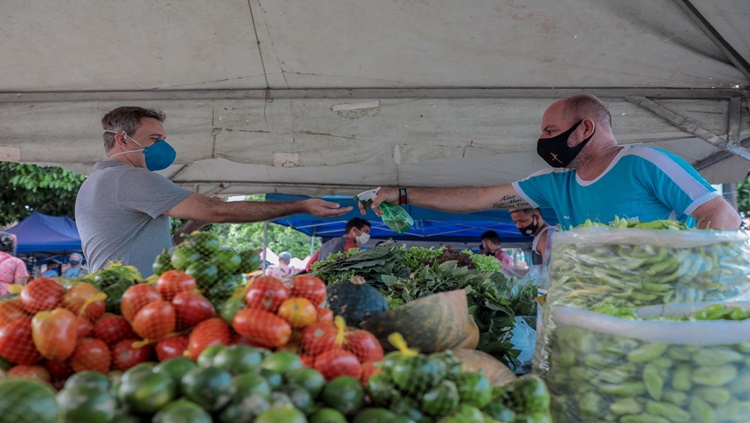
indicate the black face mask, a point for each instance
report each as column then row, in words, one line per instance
column 529, row 229
column 555, row 150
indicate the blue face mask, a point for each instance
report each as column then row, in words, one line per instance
column 159, row 155
column 74, row 262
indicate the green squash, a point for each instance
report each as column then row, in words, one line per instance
column 356, row 301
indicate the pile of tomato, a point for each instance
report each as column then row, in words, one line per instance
column 282, row 318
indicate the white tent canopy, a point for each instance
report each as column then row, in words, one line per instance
column 329, row 97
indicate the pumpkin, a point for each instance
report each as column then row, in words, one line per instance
column 430, row 324
column 356, row 301
column 474, row 360
column 472, row 335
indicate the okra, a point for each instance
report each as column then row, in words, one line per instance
column 714, row 376
column 653, row 381
column 668, row 411
column 677, row 398
column 714, row 395
column 716, row 356
column 624, row 389
column 647, row 352
column 626, row 406
column 681, row 378
column 701, row 411
column 643, row 418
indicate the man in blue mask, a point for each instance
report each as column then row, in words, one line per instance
column 592, row 177
column 123, row 207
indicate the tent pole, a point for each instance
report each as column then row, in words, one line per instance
column 312, row 243
column 265, row 245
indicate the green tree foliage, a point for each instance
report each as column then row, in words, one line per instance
column 28, row 188
column 743, row 196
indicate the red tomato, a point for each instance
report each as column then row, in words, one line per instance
column 11, row 310
column 85, row 327
column 213, row 331
column 307, row 360
column 319, row 337
column 174, row 346
column 125, row 355
column 83, row 299
column 310, row 287
column 91, row 354
column 172, row 282
column 41, row 294
column 244, row 340
column 266, row 293
column 60, row 370
column 299, row 312
column 262, row 326
column 191, row 308
column 31, row 371
column 334, row 363
column 368, row 369
column 364, row 345
column 113, row 329
column 136, row 297
column 325, row 315
column 55, row 333
column 155, row 320
column 17, row 342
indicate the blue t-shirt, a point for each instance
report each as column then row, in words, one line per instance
column 641, row 184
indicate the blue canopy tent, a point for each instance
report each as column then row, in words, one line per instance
column 43, row 234
column 429, row 225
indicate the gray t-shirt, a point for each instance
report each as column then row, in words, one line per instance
column 119, row 215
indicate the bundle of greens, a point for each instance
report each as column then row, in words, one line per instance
column 372, row 264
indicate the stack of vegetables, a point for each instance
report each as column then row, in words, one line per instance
column 645, row 322
column 403, row 275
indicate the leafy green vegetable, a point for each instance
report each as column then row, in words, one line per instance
column 370, row 264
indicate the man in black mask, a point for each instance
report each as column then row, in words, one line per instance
column 530, row 222
column 592, row 177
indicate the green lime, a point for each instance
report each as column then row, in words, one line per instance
column 162, row 263
column 273, row 379
column 308, row 378
column 280, row 399
column 115, row 380
column 182, row 411
column 407, row 407
column 231, row 307
column 281, row 414
column 88, row 377
column 205, row 273
column 327, row 415
column 474, row 389
column 206, row 357
column 204, row 242
column 238, row 359
column 250, row 261
column 441, row 400
column 381, row 390
column 251, row 384
column 28, row 400
column 300, row 397
column 374, row 415
column 210, row 387
column 138, row 369
column 87, row 404
column 344, row 394
column 282, row 362
column 176, row 367
column 146, row 393
column 227, row 260
column 184, row 257
column 243, row 409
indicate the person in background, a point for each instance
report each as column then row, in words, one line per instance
column 53, row 270
column 530, row 222
column 491, row 245
column 76, row 269
column 356, row 234
column 284, row 271
column 12, row 269
column 590, row 177
column 123, row 209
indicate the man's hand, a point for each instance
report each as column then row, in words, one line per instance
column 322, row 208
column 389, row 195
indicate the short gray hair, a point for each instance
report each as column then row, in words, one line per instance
column 587, row 106
column 127, row 119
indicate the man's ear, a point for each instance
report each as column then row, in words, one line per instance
column 589, row 126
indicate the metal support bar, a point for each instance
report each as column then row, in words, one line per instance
column 718, row 156
column 735, row 57
column 367, row 93
column 734, row 121
column 690, row 127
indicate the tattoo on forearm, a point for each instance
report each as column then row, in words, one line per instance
column 509, row 202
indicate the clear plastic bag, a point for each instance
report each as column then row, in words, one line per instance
column 604, row 368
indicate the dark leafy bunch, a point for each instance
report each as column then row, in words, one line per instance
column 371, row 264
